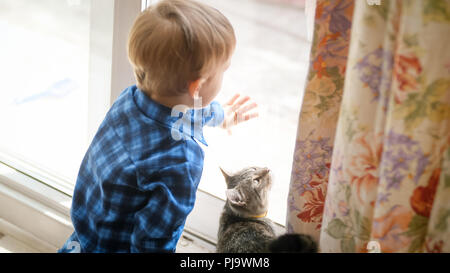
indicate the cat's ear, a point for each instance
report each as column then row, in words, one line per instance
column 225, row 174
column 235, row 197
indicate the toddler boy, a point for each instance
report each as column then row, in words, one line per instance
column 138, row 180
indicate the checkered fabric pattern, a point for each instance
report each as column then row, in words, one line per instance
column 138, row 180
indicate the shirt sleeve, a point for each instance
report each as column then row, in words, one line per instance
column 213, row 115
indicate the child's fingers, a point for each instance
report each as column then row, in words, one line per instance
column 239, row 103
column 247, row 108
column 249, row 116
column 233, row 99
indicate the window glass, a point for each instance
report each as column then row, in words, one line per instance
column 44, row 67
column 269, row 65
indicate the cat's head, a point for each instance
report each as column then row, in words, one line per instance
column 248, row 191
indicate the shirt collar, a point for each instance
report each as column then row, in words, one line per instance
column 181, row 124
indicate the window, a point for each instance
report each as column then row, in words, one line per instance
column 63, row 62
column 43, row 104
column 270, row 65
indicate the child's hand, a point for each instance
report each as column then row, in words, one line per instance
column 236, row 112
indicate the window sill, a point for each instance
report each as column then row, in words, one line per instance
column 32, row 212
column 39, row 215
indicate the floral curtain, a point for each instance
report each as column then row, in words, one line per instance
column 372, row 157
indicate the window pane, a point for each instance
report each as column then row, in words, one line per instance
column 269, row 64
column 44, row 68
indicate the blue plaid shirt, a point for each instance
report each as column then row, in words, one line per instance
column 138, row 180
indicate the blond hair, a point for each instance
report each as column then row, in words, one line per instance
column 176, row 42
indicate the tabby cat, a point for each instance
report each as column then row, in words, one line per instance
column 244, row 227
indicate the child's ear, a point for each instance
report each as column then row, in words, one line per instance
column 194, row 87
column 235, row 198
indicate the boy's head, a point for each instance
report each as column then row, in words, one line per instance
column 180, row 47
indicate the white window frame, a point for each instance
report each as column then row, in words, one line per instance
column 34, row 205
column 109, row 74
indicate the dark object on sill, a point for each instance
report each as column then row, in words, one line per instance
column 298, row 243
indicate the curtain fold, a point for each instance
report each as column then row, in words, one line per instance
column 371, row 161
